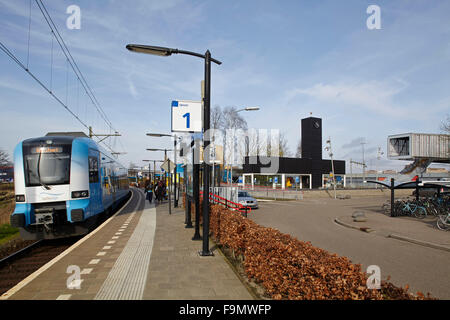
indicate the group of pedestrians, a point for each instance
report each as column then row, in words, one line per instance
column 159, row 189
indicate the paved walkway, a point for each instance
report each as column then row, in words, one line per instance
column 422, row 267
column 176, row 269
column 142, row 252
column 419, row 231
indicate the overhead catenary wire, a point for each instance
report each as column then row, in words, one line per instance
column 51, row 65
column 21, row 65
column 29, row 37
column 70, row 61
column 73, row 64
column 17, row 61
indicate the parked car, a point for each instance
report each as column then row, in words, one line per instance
column 247, row 200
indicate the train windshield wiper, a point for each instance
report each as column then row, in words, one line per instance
column 38, row 173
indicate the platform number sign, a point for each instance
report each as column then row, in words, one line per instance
column 187, row 116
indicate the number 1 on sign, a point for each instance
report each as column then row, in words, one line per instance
column 187, row 116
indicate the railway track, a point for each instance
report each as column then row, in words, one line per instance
column 20, row 264
column 24, row 262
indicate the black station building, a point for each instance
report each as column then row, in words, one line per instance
column 310, row 171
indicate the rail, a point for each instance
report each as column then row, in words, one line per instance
column 244, row 210
column 20, row 253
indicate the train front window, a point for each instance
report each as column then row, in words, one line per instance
column 46, row 166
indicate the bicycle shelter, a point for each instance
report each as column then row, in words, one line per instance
column 439, row 185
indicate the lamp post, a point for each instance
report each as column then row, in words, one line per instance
column 149, row 172
column 243, row 109
column 364, row 163
column 330, row 153
column 165, row 158
column 175, row 200
column 162, row 51
column 379, row 154
column 154, row 167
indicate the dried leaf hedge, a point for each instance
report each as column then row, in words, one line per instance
column 291, row 269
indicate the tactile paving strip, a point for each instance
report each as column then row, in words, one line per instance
column 127, row 278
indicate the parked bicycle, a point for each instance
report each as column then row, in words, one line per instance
column 429, row 205
column 406, row 208
column 414, row 210
column 443, row 222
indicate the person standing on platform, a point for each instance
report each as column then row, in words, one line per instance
column 149, row 190
column 160, row 191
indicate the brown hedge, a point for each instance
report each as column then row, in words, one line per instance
column 288, row 268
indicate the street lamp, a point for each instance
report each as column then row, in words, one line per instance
column 363, row 161
column 231, row 166
column 165, row 52
column 154, row 167
column 249, row 109
column 330, row 153
column 159, row 135
column 165, row 158
column 149, row 172
column 379, row 154
column 162, row 51
column 175, row 204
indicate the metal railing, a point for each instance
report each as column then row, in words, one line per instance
column 244, row 210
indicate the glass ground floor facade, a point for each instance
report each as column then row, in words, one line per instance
column 288, row 181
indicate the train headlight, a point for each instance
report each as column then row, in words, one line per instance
column 80, row 194
column 20, row 198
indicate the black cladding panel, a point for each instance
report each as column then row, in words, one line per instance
column 291, row 165
column 312, row 138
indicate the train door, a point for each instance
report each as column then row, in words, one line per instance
column 94, row 182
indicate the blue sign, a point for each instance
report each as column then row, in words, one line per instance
column 297, row 179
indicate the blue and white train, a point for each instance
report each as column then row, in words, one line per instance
column 63, row 183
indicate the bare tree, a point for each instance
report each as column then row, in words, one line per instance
column 283, row 149
column 445, row 125
column 231, row 119
column 283, row 146
column 216, row 117
column 298, row 153
column 4, row 158
column 216, row 122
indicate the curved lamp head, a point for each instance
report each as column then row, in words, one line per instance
column 159, row 51
column 159, row 135
column 165, row 52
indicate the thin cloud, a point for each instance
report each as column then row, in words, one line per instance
column 354, row 143
column 373, row 96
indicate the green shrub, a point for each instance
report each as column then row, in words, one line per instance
column 6, row 230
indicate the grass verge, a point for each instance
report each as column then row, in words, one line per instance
column 7, row 233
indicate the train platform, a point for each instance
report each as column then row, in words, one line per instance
column 140, row 253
